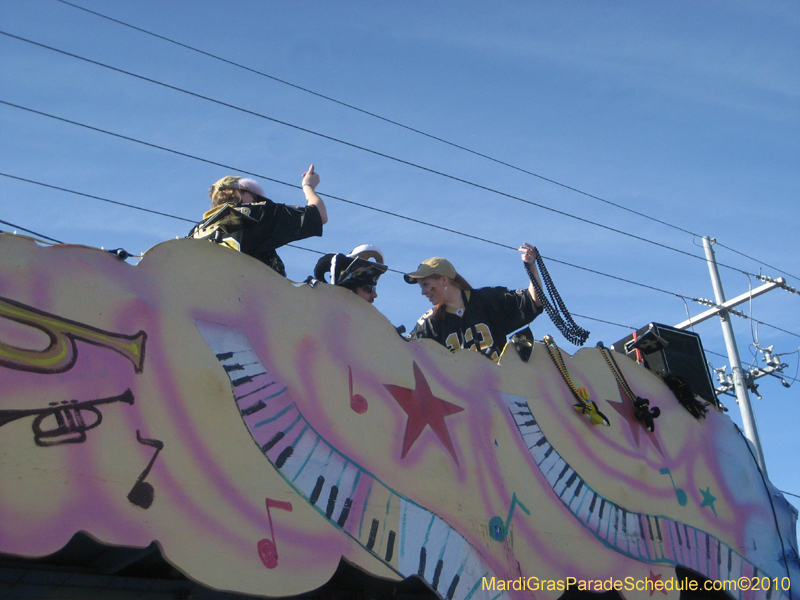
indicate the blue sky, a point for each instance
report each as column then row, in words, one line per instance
column 686, row 113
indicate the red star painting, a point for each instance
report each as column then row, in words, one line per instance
column 653, row 578
column 625, row 409
column 423, row 408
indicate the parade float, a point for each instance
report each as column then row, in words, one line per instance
column 261, row 434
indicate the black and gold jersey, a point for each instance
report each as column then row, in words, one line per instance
column 257, row 229
column 489, row 315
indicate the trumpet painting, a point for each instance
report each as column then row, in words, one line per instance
column 260, row 432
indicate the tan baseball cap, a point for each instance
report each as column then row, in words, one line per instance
column 433, row 266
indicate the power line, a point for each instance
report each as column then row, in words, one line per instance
column 364, row 149
column 403, row 126
column 183, row 219
column 772, row 326
column 133, row 206
column 264, row 177
column 374, row 115
column 61, row 189
column 367, row 150
column 756, row 260
column 254, row 174
column 456, row 232
column 29, row 231
column 411, row 219
column 725, row 356
column 606, row 322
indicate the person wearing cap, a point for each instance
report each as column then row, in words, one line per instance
column 463, row 317
column 354, row 271
column 243, row 218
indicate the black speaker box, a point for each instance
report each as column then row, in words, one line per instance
column 665, row 349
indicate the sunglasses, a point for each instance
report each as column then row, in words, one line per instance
column 368, row 289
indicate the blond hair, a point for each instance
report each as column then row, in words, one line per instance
column 224, row 196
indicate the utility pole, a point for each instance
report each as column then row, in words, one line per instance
column 742, row 397
column 739, row 380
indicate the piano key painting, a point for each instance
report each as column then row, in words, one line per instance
column 262, row 431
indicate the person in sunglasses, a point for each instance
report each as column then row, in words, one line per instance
column 354, row 271
column 243, row 218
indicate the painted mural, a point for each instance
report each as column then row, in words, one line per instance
column 261, row 431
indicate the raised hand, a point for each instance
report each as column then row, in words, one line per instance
column 310, row 178
column 529, row 253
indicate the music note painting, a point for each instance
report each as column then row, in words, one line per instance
column 268, row 549
column 142, row 492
